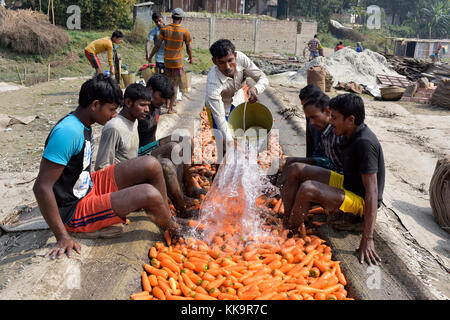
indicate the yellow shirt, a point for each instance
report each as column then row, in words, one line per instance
column 102, row 45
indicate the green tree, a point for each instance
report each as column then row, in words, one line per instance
column 436, row 17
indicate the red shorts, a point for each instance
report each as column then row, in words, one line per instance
column 94, row 211
column 93, row 59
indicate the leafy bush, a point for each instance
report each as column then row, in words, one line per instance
column 401, row 31
column 96, row 14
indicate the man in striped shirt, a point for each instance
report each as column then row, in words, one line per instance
column 174, row 35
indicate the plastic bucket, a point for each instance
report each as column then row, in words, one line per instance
column 258, row 123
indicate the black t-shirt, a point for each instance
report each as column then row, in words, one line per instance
column 363, row 155
column 147, row 128
column 314, row 146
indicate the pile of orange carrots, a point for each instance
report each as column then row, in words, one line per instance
column 227, row 266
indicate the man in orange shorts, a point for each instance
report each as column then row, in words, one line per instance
column 359, row 190
column 74, row 201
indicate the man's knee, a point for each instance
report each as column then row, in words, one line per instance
column 151, row 164
column 295, row 171
column 308, row 190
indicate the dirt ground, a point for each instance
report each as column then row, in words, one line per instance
column 413, row 137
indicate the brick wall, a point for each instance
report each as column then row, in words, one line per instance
column 271, row 36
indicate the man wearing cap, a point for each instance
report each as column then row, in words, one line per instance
column 225, row 82
column 173, row 36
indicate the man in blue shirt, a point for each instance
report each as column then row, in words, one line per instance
column 75, row 200
column 153, row 36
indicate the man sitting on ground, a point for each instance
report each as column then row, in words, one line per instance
column 323, row 145
column 71, row 199
column 359, row 190
column 120, row 137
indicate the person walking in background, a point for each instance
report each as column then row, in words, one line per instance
column 174, row 35
column 359, row 48
column 158, row 19
column 313, row 46
column 101, row 45
column 339, row 46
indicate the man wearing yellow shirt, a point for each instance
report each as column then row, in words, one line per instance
column 101, row 45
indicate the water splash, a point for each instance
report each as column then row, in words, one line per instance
column 230, row 205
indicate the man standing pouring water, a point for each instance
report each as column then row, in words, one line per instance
column 225, row 82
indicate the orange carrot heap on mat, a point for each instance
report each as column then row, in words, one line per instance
column 228, row 265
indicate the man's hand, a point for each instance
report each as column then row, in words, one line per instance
column 63, row 245
column 190, row 60
column 252, row 95
column 367, row 251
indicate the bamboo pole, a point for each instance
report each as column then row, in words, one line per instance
column 53, row 11
column 48, row 75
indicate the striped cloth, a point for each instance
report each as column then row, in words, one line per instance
column 173, row 36
column 332, row 146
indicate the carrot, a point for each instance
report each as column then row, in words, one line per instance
column 307, row 258
column 195, row 183
column 201, row 290
column 170, row 265
column 167, row 237
column 281, row 211
column 158, row 293
column 169, row 272
column 267, row 296
column 189, row 265
column 280, row 296
column 215, row 271
column 208, row 276
column 319, row 283
column 201, row 296
column 277, row 206
column 187, row 292
column 194, row 278
column 200, row 266
column 139, row 294
column 340, row 275
column 142, row 297
column 165, row 288
column 145, row 282
column 271, row 257
column 321, row 265
column 177, row 257
column 153, row 281
column 227, row 296
column 156, row 272
column 172, row 284
column 249, row 295
column 152, row 253
column 307, row 289
column 276, row 264
column 172, row 297
column 331, row 289
column 320, row 296
column 316, row 210
column 188, row 282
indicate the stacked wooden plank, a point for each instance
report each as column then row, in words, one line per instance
column 415, row 69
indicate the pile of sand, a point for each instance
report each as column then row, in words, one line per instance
column 345, row 65
column 27, row 31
